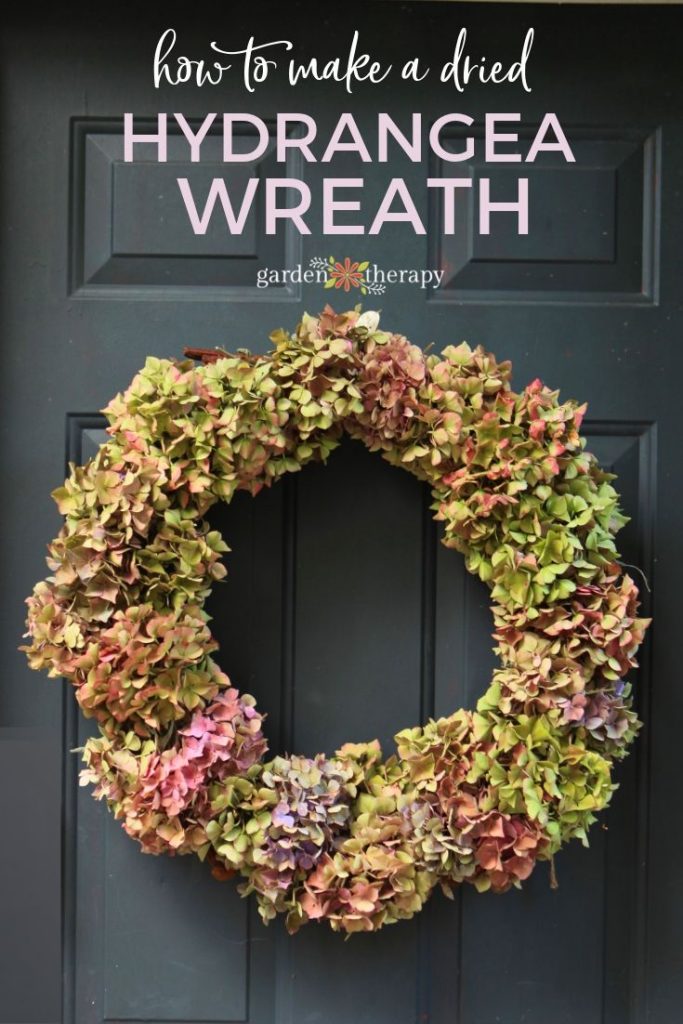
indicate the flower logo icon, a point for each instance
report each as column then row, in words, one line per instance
column 346, row 275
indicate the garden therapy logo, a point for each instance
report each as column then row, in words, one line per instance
column 347, row 274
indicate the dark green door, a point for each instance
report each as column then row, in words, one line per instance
column 342, row 614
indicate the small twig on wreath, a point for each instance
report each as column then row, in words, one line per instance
column 212, row 355
column 627, row 565
column 554, row 884
column 204, row 355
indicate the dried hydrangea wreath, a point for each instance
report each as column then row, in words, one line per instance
column 351, row 839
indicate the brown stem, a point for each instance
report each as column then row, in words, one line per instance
column 554, row 884
column 212, row 355
column 203, row 355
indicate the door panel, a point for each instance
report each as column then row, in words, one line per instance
column 594, row 240
column 342, row 613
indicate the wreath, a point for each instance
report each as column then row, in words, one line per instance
column 352, row 839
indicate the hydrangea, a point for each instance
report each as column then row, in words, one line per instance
column 389, row 380
column 278, row 829
column 161, row 795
